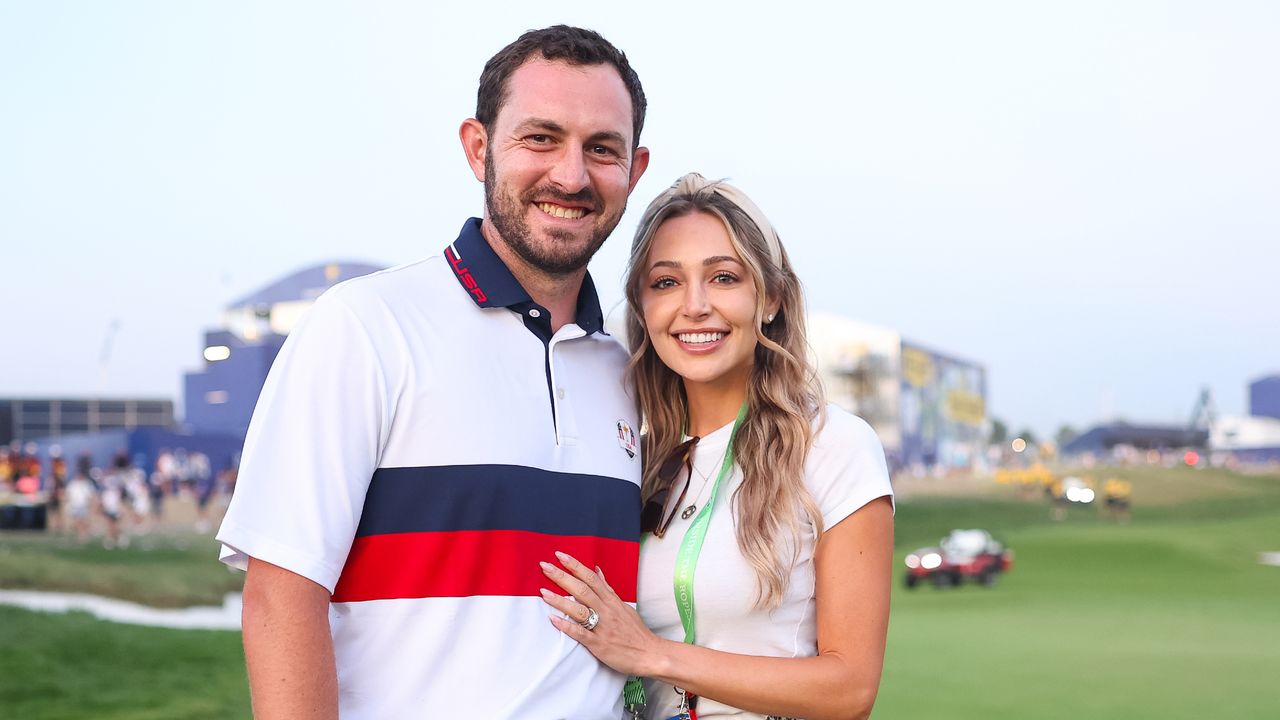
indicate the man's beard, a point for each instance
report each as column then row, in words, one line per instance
column 553, row 258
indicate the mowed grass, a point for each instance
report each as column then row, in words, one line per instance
column 57, row 666
column 73, row 666
column 1169, row 616
column 161, row 570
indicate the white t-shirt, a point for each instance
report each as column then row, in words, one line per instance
column 80, row 494
column 845, row 470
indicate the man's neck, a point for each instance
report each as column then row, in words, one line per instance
column 557, row 293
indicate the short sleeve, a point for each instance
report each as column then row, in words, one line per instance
column 312, row 447
column 846, row 467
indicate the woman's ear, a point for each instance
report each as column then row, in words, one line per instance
column 771, row 308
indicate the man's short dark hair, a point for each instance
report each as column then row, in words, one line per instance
column 575, row 46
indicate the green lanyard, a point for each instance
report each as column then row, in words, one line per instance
column 686, row 563
column 691, row 545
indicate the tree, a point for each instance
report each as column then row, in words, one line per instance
column 1065, row 434
column 1029, row 436
column 999, row 432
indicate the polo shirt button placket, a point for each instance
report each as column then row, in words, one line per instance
column 566, row 419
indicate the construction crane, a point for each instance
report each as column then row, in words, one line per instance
column 1205, row 414
column 104, row 357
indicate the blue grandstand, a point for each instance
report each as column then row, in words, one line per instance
column 219, row 399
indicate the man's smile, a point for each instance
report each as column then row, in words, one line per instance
column 560, row 211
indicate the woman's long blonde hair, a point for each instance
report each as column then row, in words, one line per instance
column 783, row 394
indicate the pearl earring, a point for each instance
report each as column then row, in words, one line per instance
column 768, row 319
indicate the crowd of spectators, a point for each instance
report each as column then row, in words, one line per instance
column 116, row 501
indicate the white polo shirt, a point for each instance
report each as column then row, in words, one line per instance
column 423, row 440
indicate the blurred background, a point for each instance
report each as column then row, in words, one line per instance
column 1039, row 244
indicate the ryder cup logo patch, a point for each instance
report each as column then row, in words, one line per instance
column 627, row 438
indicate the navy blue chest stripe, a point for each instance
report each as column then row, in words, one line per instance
column 450, row 498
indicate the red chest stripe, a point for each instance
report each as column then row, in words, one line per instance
column 465, row 563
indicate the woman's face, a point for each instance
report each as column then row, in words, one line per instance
column 699, row 302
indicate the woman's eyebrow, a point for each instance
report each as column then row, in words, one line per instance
column 720, row 259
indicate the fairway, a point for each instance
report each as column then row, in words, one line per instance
column 1168, row 616
column 72, row 666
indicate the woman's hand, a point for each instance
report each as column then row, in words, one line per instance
column 620, row 638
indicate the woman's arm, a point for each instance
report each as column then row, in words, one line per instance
column 852, row 570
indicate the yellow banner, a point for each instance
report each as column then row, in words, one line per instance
column 965, row 407
column 917, row 367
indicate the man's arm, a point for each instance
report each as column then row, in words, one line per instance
column 287, row 645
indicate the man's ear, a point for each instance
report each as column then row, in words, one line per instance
column 639, row 163
column 475, row 142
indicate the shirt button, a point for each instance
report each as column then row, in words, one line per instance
column 560, row 393
column 535, row 313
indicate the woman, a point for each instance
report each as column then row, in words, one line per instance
column 780, row 508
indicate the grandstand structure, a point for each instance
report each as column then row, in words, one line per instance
column 50, row 418
column 219, row 397
column 1252, row 438
column 1223, row 439
column 929, row 408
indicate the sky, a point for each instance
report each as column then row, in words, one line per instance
column 1083, row 197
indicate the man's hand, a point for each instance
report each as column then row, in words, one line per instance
column 287, row 645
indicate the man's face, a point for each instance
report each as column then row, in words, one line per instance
column 558, row 164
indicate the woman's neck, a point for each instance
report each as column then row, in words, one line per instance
column 712, row 406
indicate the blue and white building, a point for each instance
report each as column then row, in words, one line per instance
column 219, row 398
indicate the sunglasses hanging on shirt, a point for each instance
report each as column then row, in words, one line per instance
column 680, row 458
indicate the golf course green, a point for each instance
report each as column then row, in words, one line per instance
column 1169, row 615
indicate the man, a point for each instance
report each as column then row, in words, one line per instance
column 431, row 432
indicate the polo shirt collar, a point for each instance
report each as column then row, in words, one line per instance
column 489, row 283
